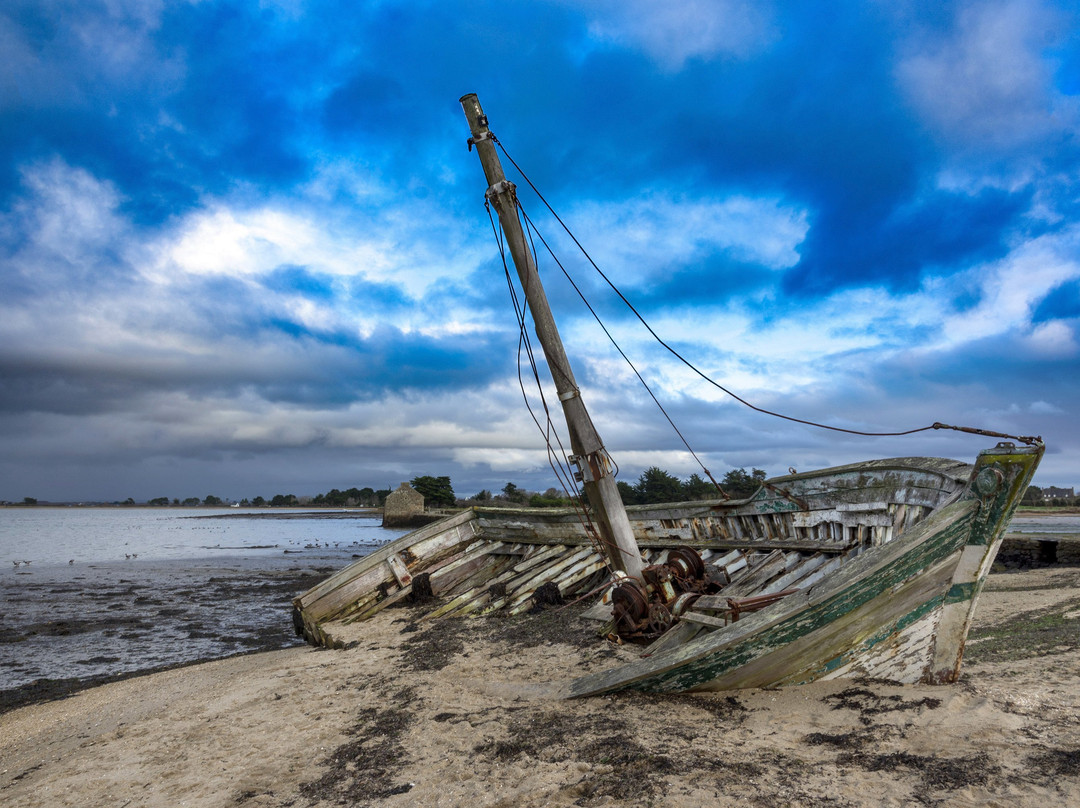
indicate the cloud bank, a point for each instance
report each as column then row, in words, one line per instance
column 243, row 248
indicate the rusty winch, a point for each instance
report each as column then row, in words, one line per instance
column 643, row 609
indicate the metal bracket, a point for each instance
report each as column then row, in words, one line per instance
column 569, row 394
column 485, row 135
column 591, row 467
column 501, row 187
column 583, row 473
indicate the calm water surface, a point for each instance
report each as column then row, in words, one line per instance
column 46, row 536
column 1025, row 523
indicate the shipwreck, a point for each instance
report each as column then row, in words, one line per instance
column 871, row 569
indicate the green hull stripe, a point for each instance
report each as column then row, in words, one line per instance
column 823, row 614
column 961, row 592
column 902, row 623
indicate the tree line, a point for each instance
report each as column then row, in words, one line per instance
column 654, row 485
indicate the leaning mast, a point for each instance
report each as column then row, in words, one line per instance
column 589, row 455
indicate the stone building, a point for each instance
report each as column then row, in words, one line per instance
column 403, row 506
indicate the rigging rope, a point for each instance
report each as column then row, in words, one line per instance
column 563, row 474
column 622, row 353
column 1028, row 439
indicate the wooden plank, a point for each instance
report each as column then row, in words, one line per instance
column 819, row 574
column 705, row 619
column 374, row 608
column 480, row 582
column 675, row 637
column 444, row 579
column 800, row 571
column 524, row 590
column 571, row 579
column 481, row 574
column 539, row 558
column 453, row 530
column 756, row 577
column 331, row 598
column 401, row 572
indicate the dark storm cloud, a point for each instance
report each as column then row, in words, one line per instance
column 248, row 239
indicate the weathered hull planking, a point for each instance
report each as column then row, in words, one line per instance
column 872, row 569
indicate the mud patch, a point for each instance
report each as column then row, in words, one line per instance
column 434, row 644
column 1051, row 765
column 1053, row 630
column 868, row 703
column 935, row 773
column 623, row 770
column 366, row 767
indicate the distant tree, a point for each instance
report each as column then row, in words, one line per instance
column 1033, row 496
column 210, row 499
column 697, row 488
column 380, row 496
column 244, row 502
column 545, row 501
column 483, row 495
column 29, row 501
column 283, row 500
column 333, row 498
column 627, row 492
column 158, row 501
column 190, row 501
column 258, row 502
column 738, row 484
column 366, row 496
column 513, row 493
column 129, row 501
column 656, row 485
column 437, row 491
column 175, row 501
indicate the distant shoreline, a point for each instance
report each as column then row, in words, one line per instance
column 354, row 513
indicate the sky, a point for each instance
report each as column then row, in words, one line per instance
column 244, row 249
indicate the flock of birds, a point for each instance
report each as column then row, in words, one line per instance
column 70, row 561
column 308, row 546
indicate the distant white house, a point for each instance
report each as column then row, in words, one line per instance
column 1050, row 492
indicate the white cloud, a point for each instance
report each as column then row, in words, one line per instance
column 72, row 214
column 673, row 33
column 1012, row 287
column 1053, row 339
column 1045, row 408
column 987, row 81
column 653, row 233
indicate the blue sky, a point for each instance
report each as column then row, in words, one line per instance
column 243, row 247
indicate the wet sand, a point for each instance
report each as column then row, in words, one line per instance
column 63, row 629
column 466, row 713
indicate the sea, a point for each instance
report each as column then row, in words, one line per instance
column 92, row 594
column 1065, row 525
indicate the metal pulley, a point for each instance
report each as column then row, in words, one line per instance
column 645, row 608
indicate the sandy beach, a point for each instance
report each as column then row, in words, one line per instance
column 467, row 713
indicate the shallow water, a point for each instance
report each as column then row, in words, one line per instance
column 149, row 588
column 1026, row 523
column 86, row 535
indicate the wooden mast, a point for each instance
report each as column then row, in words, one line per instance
column 590, row 457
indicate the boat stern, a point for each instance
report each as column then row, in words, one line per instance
column 998, row 481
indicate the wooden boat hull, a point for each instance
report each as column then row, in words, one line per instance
column 887, row 556
column 900, row 612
